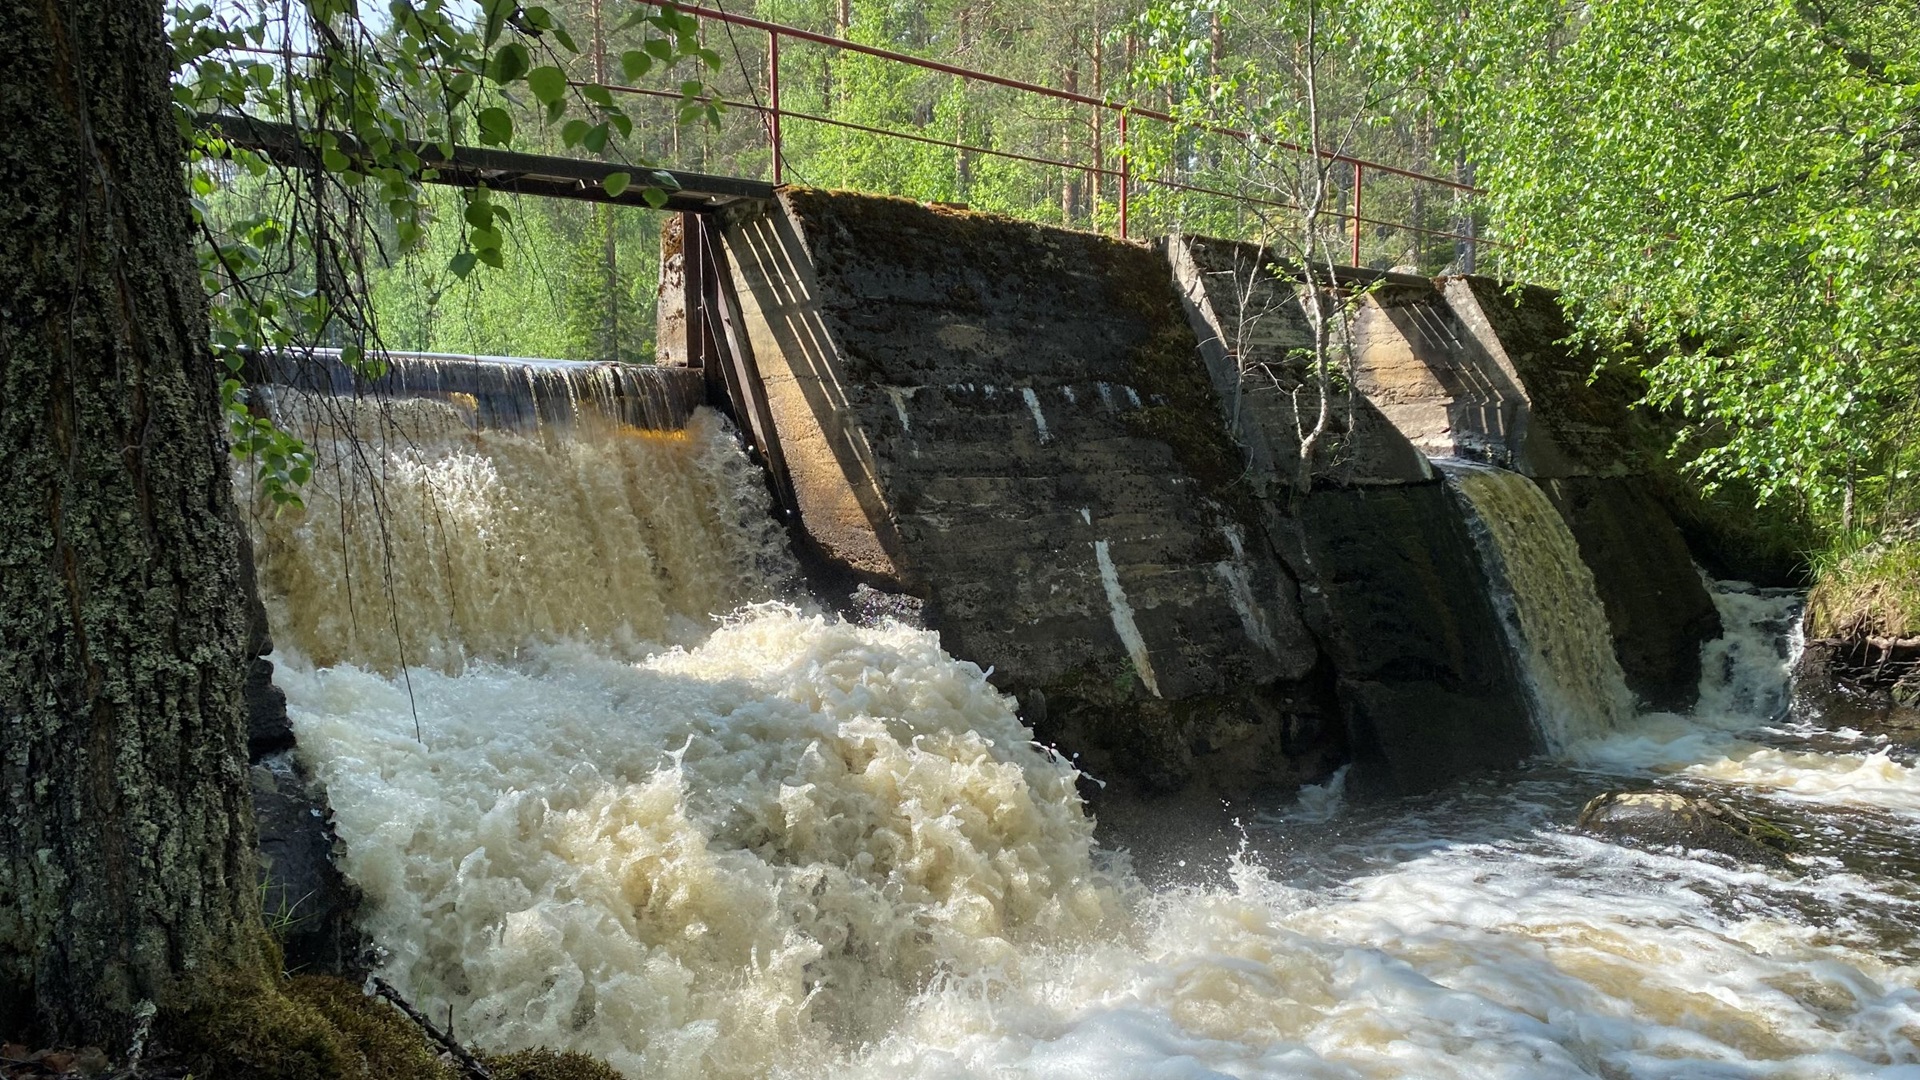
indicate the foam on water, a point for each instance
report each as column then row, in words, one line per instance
column 795, row 847
column 712, row 862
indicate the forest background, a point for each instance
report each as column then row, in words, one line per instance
column 1725, row 192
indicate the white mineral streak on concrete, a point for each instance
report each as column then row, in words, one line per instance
column 1233, row 573
column 1123, row 623
column 899, row 395
column 1039, row 418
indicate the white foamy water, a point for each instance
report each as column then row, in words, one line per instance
column 796, row 847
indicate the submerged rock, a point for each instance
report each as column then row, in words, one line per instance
column 1669, row 819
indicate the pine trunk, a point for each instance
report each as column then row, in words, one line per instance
column 126, row 836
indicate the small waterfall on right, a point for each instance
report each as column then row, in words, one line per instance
column 1548, row 604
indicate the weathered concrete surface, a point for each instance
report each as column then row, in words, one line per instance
column 1398, row 599
column 1392, row 587
column 1009, row 421
column 1256, row 342
column 1657, row 607
column 1434, row 380
column 1578, row 438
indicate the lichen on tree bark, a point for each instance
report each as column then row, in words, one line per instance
column 126, row 838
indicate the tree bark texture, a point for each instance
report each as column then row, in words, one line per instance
column 126, row 837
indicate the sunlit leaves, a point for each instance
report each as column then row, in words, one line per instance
column 496, row 126
column 1734, row 190
column 366, row 94
column 548, row 83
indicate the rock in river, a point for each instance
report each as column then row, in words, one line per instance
column 1669, row 819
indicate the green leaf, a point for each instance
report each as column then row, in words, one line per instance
column 596, row 138
column 635, row 64
column 660, row 49
column 496, row 12
column 575, row 131
column 509, row 63
column 461, row 264
column 615, row 183
column 599, row 95
column 334, row 160
column 654, row 197
column 496, row 126
column 548, row 83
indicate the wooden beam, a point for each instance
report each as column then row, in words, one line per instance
column 505, row 170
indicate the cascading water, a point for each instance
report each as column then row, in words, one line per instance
column 429, row 538
column 1546, row 597
column 774, row 844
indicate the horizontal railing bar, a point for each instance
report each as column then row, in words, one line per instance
column 1044, row 91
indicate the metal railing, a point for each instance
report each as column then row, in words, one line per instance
column 1126, row 178
column 1122, row 173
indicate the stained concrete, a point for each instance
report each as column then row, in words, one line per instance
column 1577, row 440
column 1009, row 421
column 1392, row 586
column 1079, row 454
column 1463, row 368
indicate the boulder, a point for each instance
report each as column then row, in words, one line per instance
column 1670, row 819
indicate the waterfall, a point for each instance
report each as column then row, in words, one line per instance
column 431, row 537
column 511, row 393
column 591, row 817
column 1548, row 604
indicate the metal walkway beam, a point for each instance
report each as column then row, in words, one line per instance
column 503, row 170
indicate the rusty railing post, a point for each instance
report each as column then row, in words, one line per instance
column 1126, row 173
column 1359, row 176
column 773, row 98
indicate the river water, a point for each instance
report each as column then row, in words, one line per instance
column 775, row 844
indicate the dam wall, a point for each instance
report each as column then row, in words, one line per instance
column 1007, row 421
column 1081, row 456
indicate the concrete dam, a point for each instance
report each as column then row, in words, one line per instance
column 751, row 715
column 1047, row 437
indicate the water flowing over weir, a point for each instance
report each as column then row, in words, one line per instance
column 1546, row 596
column 430, row 537
column 649, row 816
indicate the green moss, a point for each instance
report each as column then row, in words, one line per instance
column 544, row 1064
column 390, row 1044
column 246, row 1026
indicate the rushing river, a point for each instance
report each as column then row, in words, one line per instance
column 782, row 845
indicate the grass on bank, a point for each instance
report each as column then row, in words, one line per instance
column 1869, row 589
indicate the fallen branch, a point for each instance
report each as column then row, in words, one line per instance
column 467, row 1062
